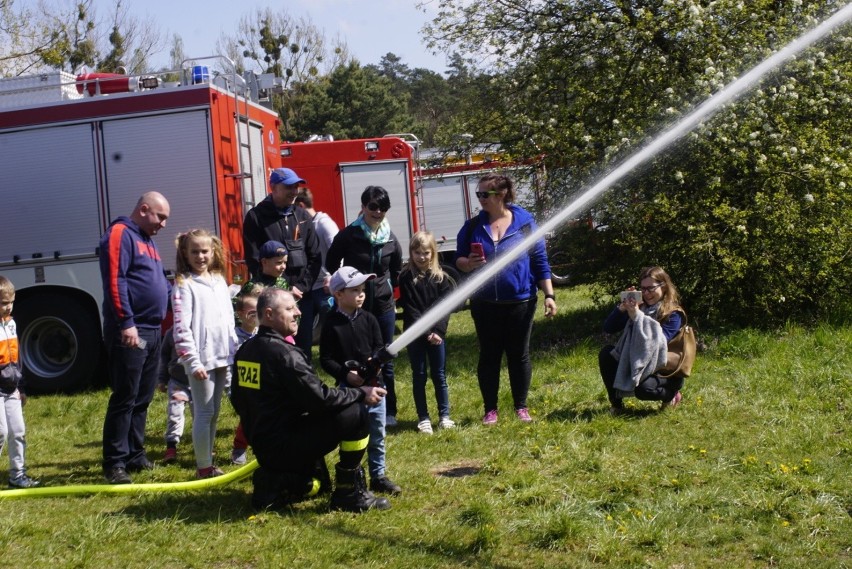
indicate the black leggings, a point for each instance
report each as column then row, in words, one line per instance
column 504, row 327
column 653, row 388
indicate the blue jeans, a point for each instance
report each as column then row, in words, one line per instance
column 133, row 376
column 387, row 324
column 376, row 446
column 418, row 352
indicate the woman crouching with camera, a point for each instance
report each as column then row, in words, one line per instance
column 659, row 302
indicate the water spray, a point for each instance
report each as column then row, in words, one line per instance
column 664, row 140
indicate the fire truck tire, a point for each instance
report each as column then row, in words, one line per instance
column 451, row 272
column 60, row 344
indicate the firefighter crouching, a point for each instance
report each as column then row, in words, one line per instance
column 292, row 419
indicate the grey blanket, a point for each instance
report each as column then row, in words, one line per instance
column 640, row 351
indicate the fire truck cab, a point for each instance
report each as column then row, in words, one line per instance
column 87, row 147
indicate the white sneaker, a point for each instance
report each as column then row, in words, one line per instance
column 425, row 427
column 390, row 421
column 446, row 423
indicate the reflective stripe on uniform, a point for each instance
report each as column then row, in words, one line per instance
column 350, row 446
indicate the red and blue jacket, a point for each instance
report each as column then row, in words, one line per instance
column 136, row 290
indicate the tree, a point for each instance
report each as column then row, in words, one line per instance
column 69, row 35
column 352, row 102
column 750, row 207
column 293, row 49
column 27, row 39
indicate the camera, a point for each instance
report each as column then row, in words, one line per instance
column 634, row 294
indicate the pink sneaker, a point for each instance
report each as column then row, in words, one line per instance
column 674, row 402
column 524, row 415
column 490, row 418
column 209, row 472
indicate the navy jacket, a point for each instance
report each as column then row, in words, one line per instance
column 518, row 281
column 136, row 290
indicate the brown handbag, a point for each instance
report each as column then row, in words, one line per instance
column 681, row 354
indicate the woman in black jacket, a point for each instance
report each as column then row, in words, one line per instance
column 369, row 245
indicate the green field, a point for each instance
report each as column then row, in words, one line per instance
column 752, row 470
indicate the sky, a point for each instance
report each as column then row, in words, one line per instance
column 371, row 28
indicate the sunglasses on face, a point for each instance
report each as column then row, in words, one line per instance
column 373, row 206
column 483, row 195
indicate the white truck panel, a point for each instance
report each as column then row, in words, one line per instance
column 445, row 211
column 392, row 175
column 180, row 167
column 83, row 275
column 51, row 202
column 27, row 90
column 254, row 187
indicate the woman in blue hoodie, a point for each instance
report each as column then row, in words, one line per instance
column 503, row 309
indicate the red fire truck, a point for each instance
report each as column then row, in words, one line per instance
column 87, row 147
column 428, row 190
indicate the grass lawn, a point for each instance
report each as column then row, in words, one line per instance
column 752, row 470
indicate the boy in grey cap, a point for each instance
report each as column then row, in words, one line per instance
column 350, row 337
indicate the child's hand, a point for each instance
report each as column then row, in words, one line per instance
column 434, row 339
column 200, row 374
column 297, row 294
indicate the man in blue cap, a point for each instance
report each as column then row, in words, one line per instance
column 277, row 219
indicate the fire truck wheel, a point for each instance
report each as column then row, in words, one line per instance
column 451, row 272
column 455, row 279
column 60, row 344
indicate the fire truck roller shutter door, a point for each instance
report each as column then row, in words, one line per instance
column 60, row 341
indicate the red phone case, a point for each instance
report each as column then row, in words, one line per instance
column 477, row 249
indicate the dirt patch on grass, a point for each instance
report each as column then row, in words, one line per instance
column 458, row 469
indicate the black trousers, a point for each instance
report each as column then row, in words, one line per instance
column 133, row 376
column 653, row 388
column 504, row 328
column 314, row 436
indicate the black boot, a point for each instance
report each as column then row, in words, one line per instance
column 351, row 494
column 267, row 489
column 275, row 490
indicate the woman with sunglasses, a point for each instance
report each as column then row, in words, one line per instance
column 660, row 301
column 503, row 309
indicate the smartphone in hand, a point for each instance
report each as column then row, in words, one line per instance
column 476, row 248
column 634, row 294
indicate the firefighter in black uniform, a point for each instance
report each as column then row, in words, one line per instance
column 292, row 419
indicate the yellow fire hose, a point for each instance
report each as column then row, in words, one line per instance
column 86, row 489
